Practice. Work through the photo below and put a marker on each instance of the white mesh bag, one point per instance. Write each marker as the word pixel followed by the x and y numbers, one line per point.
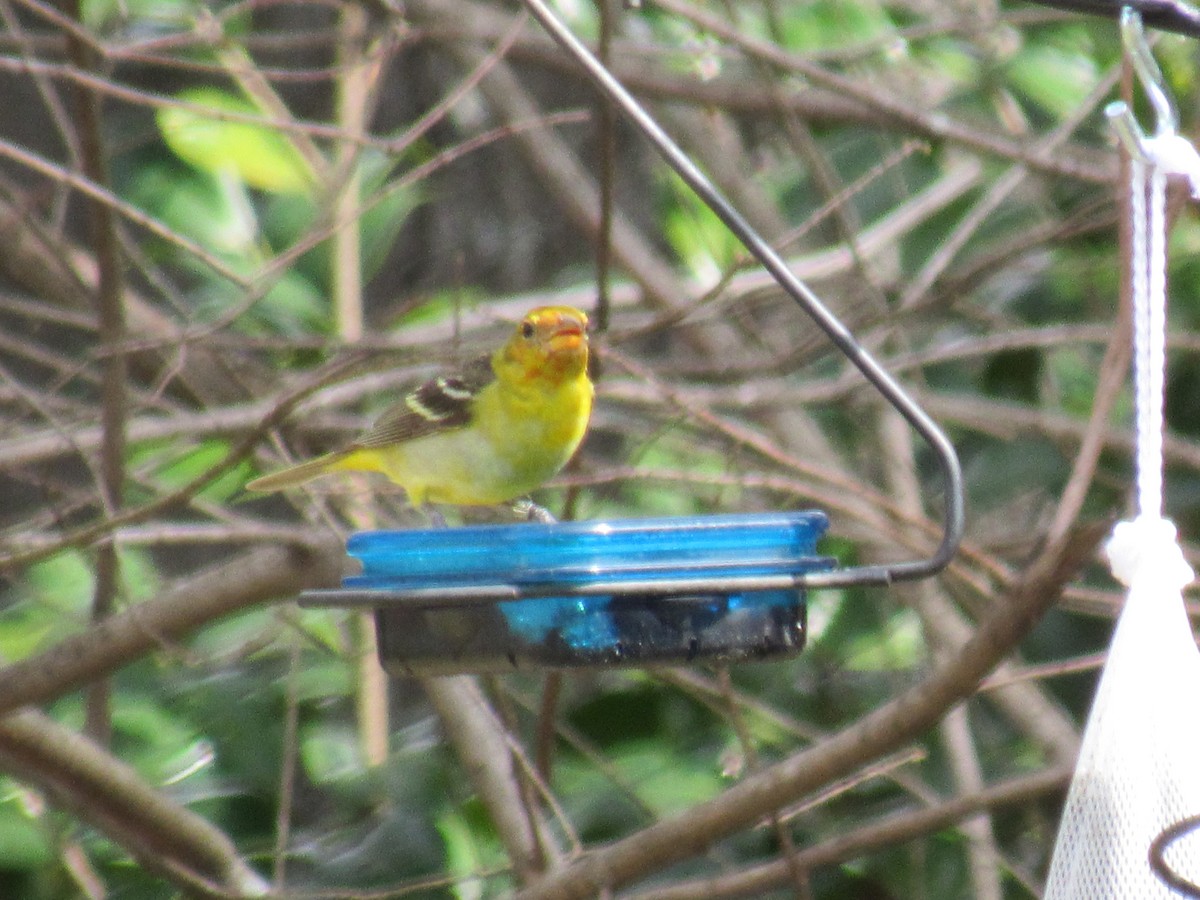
pixel 1131 825
pixel 1139 766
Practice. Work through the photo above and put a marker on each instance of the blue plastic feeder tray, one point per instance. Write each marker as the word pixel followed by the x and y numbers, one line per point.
pixel 632 592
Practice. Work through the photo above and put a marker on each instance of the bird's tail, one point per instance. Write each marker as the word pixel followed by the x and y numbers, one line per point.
pixel 294 476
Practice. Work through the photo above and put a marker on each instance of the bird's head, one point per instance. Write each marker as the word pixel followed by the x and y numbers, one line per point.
pixel 550 342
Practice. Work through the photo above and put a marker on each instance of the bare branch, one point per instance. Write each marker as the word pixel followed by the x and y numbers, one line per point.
pixel 83 779
pixel 888 832
pixel 258 576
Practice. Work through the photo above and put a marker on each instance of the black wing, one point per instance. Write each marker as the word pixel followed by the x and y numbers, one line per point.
pixel 438 405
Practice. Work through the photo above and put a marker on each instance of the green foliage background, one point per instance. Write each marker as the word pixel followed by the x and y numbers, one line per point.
pixel 984 269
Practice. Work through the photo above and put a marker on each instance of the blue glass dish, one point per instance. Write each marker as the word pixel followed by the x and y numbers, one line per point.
pixel 657 625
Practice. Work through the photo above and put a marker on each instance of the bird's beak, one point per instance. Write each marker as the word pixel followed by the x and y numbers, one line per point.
pixel 569 334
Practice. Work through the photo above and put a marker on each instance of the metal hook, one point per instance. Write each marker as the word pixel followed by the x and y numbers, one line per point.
pixel 837 332
pixel 1133 38
pixel 1166 150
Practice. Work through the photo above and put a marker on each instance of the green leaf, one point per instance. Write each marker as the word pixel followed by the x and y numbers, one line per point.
pixel 697 236
pixel 827 25
pixel 212 211
pixel 288 218
pixel 1057 80
pixel 139 577
pixel 157 742
pixel 23 842
pixel 948 62
pixel 259 155
pixel 900 646
pixel 104 15
pixel 468 851
pixel 663 779
pixel 330 752
pixel 382 222
pixel 26 628
pixel 64 581
pixel 441 305
pixel 666 781
pixel 54 599
pixel 292 306
pixel 180 470
pixel 823 609
pixel 327 678
pixel 1176 56
pixel 231 634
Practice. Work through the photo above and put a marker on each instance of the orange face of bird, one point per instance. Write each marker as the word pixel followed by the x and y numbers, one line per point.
pixel 551 339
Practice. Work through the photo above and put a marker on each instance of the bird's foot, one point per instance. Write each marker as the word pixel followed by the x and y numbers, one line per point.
pixel 531 512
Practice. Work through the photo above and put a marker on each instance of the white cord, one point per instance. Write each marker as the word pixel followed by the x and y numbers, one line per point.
pixel 1140 272
pixel 1149 330
pixel 1164 155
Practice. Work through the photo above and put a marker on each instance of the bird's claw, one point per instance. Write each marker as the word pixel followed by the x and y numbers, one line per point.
pixel 531 512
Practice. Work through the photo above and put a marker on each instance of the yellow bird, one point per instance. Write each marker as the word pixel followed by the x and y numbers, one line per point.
pixel 489 434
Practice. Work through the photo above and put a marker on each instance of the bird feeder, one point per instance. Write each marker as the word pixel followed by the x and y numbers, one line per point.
pixel 625 592
pixel 494 598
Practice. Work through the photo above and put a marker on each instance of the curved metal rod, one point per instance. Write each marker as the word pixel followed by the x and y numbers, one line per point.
pixel 1158 849
pixel 837 332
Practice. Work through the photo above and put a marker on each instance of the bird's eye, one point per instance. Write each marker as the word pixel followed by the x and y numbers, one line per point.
pixel 527 330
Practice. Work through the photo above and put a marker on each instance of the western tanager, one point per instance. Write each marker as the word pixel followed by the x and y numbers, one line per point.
pixel 489 434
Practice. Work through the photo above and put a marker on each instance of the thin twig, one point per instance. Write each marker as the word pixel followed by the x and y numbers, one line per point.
pixel 110 314
pixel 891 831
pixel 887 102
pixel 163 836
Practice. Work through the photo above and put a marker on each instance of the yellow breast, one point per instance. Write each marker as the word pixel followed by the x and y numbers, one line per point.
pixel 516 441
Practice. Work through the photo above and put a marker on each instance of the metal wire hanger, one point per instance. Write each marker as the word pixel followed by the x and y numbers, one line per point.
pixel 841 337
